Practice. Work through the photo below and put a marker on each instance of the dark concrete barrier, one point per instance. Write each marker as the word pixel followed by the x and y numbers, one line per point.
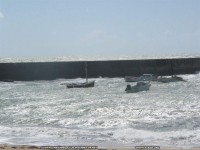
pixel 113 68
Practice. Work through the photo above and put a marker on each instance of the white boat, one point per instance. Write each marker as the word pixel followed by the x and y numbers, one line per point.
pixel 144 77
pixel 140 86
pixel 149 77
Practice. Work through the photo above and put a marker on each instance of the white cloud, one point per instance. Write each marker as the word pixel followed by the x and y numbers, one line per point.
pixel 1 15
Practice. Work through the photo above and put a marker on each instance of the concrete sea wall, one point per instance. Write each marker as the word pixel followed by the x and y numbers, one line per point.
pixel 115 68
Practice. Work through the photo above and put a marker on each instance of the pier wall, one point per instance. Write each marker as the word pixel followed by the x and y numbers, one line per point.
pixel 29 71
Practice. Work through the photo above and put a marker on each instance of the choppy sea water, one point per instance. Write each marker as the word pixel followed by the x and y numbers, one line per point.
pixel 47 113
pixel 94 58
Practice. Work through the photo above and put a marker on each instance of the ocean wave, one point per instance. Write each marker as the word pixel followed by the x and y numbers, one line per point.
pixel 92 58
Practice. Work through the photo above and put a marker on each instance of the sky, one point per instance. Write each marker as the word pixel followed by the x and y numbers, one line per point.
pixel 99 27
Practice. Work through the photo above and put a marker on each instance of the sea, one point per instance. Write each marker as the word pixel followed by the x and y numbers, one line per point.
pixel 47 113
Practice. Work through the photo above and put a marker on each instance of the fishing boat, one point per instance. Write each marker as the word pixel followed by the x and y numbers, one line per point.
pixel 85 84
pixel 140 86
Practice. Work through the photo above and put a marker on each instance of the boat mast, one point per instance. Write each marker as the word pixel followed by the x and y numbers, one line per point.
pixel 86 75
pixel 172 69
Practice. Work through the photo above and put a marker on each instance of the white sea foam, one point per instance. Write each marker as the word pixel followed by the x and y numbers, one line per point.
pixel 93 58
pixel 46 113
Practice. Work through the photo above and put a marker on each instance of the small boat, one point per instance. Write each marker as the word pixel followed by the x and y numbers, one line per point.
pixel 86 84
pixel 140 86
pixel 173 78
pixel 144 77
pixel 149 77
pixel 81 85
pixel 131 79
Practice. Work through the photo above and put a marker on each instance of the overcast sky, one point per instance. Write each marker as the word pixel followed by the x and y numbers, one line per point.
pixel 99 27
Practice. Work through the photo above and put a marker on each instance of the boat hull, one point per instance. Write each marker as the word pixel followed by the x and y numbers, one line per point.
pixel 131 79
pixel 144 77
pixel 170 79
pixel 134 89
pixel 81 85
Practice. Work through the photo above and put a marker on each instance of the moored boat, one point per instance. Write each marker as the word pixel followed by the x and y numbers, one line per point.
pixel 81 85
pixel 173 78
pixel 86 84
pixel 131 79
pixel 144 77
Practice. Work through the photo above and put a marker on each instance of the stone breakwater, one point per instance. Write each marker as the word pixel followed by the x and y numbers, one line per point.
pixel 29 71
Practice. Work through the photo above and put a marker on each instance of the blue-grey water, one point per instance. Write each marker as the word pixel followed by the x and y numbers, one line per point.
pixel 47 113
